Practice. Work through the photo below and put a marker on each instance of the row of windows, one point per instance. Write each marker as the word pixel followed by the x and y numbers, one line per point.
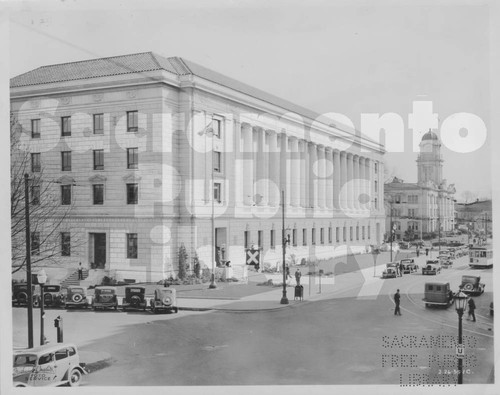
pixel 322 240
pixel 132 193
pixel 65 244
pixel 98 125
pixel 413 199
pixel 411 225
pixel 98 160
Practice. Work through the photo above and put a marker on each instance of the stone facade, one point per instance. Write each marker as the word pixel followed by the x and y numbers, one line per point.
pixel 209 158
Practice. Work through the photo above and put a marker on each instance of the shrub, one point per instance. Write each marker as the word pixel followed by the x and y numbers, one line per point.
pixel 183 257
pixel 196 265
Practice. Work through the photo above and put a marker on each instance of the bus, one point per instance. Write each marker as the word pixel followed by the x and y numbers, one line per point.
pixel 480 258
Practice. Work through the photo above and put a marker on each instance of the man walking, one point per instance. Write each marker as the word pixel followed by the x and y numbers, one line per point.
pixel 80 272
pixel 472 307
pixel 397 298
pixel 298 275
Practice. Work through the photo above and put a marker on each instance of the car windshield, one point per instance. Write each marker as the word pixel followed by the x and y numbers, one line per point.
pixel 24 360
pixel 51 288
pixel 469 279
pixel 135 290
pixel 77 290
pixel 105 291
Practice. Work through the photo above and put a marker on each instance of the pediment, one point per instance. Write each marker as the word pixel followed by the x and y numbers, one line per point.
pixel 65 180
pixel 131 177
pixel 97 179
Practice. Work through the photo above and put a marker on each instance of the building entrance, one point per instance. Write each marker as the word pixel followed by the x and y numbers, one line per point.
pixel 97 253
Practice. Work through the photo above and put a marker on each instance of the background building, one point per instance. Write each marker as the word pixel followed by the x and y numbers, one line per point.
pixel 475 216
pixel 418 208
pixel 153 153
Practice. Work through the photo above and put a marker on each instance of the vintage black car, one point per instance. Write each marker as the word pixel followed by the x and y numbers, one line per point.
pixel 76 297
pixel 20 295
pixel 438 295
pixel 53 295
pixel 165 299
pixel 408 265
pixel 135 298
pixel 471 285
pixel 431 267
pixel 104 298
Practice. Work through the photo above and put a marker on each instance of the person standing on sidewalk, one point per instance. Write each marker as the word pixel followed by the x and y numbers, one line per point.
pixel 397 298
pixel 472 308
pixel 80 272
pixel 298 275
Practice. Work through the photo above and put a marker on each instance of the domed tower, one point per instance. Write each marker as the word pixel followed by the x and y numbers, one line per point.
pixel 429 162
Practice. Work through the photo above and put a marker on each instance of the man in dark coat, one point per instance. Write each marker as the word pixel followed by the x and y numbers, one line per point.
pixel 397 298
pixel 472 308
pixel 298 275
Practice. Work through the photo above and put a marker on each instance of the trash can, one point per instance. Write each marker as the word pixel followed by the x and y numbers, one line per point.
pixel 299 292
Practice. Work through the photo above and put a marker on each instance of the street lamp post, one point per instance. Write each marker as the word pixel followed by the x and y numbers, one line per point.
pixel 284 299
pixel 460 302
pixel 212 277
pixel 42 278
pixel 28 260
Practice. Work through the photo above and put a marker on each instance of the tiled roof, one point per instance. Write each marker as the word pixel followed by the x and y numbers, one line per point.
pixel 140 63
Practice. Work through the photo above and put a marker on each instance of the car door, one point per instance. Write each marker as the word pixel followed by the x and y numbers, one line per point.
pixel 45 371
pixel 62 362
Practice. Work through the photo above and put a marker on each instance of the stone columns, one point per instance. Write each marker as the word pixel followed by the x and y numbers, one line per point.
pixel 283 142
pixel 320 169
pixel 303 173
pixel 274 170
pixel 343 179
pixel 247 134
pixel 362 176
pixel 336 180
pixel 350 175
pixel 356 183
pixel 329 178
pixel 294 172
pixel 262 168
pixel 313 187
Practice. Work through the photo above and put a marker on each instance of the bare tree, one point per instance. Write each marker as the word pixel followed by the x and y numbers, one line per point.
pixel 46 214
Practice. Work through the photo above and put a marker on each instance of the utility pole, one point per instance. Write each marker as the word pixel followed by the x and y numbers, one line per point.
pixel 28 260
pixel 284 299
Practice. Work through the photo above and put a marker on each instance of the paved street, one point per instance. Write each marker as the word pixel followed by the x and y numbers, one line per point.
pixel 346 335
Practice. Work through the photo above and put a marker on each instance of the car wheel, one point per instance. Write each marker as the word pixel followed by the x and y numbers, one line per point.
pixel 75 376
pixel 176 310
pixel 468 287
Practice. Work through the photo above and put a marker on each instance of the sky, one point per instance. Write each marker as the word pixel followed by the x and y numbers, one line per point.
pixel 329 56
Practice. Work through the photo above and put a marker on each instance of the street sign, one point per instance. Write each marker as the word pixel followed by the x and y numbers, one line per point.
pixel 460 351
pixel 253 257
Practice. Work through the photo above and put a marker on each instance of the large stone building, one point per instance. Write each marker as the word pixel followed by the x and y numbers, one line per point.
pixel 152 153
pixel 475 216
pixel 418 209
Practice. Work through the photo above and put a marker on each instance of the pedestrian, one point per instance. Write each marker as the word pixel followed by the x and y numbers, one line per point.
pixel 288 275
pixel 298 275
pixel 426 252
pixel 80 272
pixel 418 252
pixel 472 307
pixel 397 298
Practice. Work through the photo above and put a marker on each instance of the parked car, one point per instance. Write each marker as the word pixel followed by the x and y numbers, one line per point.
pixel 104 298
pixel 135 298
pixel 49 365
pixel 165 299
pixel 404 245
pixel 438 294
pixel 431 267
pixel 53 295
pixel 471 285
pixel 76 297
pixel 445 261
pixel 20 295
pixel 390 271
pixel 408 265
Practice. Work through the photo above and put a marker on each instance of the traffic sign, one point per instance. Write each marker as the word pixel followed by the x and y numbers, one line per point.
pixel 253 257
pixel 460 351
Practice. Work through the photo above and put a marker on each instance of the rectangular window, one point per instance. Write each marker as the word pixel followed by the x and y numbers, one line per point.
pixel 132 158
pixel 398 199
pixel 247 238
pixel 35 243
pixel 260 239
pixel 98 123
pixel 376 167
pixel 65 126
pixel 376 186
pixel 65 195
pixel 132 193
pixel 66 161
pixel 350 233
pixel 344 233
pixel 132 121
pixel 65 244
pixel 322 235
pixel 98 159
pixel 217 127
pixel 337 234
pixel 304 237
pixel 35 128
pixel 294 237
pixel 375 201
pixel 35 162
pixel 35 195
pixel 369 233
pixel 330 235
pixel 272 240
pixel 357 232
pixel 217 192
pixel 313 236
pixel 98 193
pixel 132 245
pixel 363 232
pixel 217 161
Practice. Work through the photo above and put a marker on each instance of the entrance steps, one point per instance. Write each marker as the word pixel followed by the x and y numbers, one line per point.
pixel 72 278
